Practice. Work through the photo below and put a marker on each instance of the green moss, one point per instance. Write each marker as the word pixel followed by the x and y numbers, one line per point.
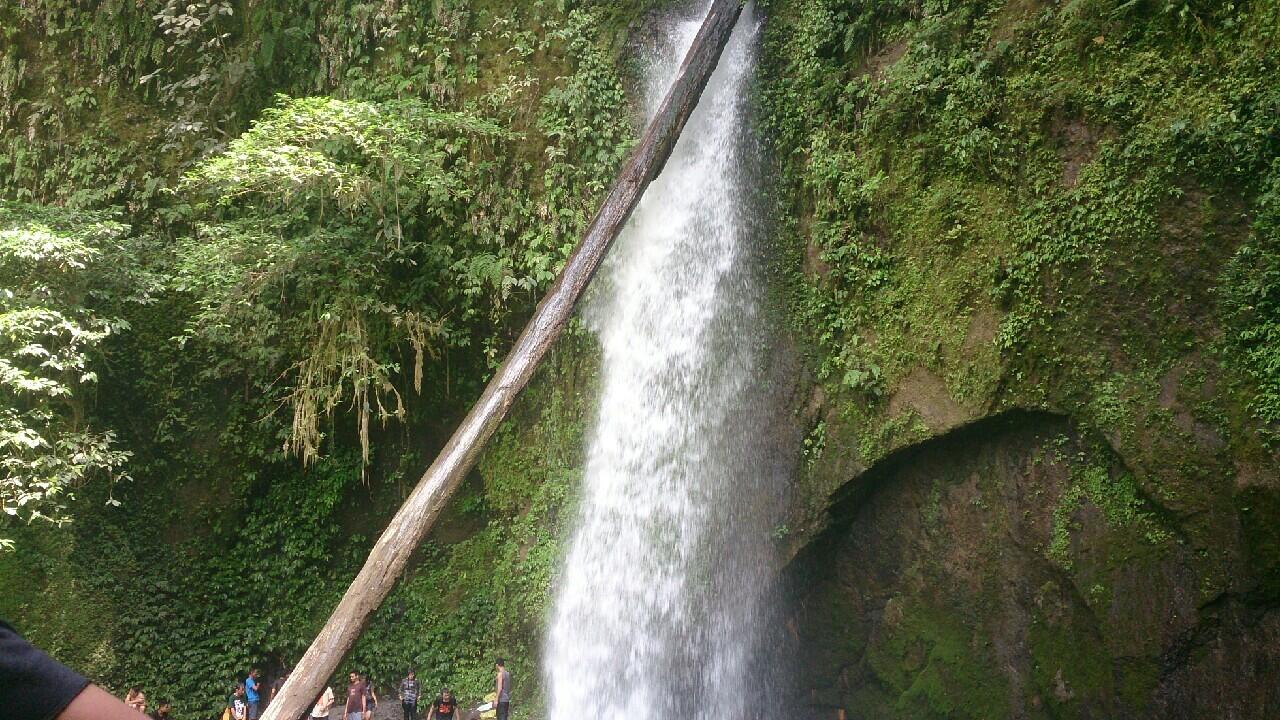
pixel 834 633
pixel 1070 666
pixel 1032 205
pixel 1258 507
pixel 1250 293
pixel 933 665
pixel 1133 526
pixel 1135 680
pixel 931 513
pixel 1049 207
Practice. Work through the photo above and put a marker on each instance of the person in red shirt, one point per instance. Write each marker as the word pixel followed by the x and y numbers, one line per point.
pixel 357 698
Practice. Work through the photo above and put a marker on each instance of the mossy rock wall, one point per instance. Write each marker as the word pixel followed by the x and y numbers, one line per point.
pixel 1018 241
pixel 1011 569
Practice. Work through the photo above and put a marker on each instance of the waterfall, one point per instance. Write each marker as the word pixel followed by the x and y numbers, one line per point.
pixel 659 602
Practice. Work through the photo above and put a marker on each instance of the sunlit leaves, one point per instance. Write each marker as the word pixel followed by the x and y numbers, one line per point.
pixel 320 207
pixel 55 269
pixel 354 153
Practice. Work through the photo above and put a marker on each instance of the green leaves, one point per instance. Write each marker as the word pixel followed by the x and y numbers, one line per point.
pixel 319 208
pixel 358 154
pixel 318 267
pixel 1250 293
pixel 56 268
pixel 334 233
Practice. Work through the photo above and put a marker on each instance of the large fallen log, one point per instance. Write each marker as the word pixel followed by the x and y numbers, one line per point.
pixel 387 559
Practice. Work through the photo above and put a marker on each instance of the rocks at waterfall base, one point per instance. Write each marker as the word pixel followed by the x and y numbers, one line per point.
pixel 1014 569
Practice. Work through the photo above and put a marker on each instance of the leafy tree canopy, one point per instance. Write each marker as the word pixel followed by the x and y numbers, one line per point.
pixel 329 236
pixel 62 274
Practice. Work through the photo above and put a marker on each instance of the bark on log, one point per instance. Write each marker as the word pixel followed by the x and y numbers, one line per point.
pixel 387 559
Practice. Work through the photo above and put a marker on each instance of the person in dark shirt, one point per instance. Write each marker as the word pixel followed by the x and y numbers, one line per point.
pixel 370 696
pixel 502 688
pixel 444 707
pixel 275 687
pixel 163 708
pixel 357 704
pixel 34 686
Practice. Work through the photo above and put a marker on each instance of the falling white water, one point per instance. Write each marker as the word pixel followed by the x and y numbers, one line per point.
pixel 658 608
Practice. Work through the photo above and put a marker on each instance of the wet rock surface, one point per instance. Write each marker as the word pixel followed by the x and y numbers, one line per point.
pixel 1014 568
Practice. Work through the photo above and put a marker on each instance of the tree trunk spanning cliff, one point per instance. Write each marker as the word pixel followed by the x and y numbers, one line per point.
pixel 388 557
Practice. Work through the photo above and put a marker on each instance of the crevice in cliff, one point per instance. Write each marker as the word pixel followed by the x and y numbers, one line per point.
pixel 848 498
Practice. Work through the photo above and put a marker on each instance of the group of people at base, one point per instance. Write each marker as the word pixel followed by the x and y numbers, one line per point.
pixel 34 686
pixel 245 700
pixel 361 700
pixel 137 700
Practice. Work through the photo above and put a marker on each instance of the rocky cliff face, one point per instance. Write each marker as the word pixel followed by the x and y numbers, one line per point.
pixel 1012 568
pixel 1040 477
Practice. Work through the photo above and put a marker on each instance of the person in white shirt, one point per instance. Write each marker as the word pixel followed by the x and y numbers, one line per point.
pixel 323 704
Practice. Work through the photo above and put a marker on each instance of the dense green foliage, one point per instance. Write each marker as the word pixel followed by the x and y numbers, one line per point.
pixel 289 242
pixel 1058 206
pixel 337 239
pixel 1251 289
pixel 61 287
pixel 1028 200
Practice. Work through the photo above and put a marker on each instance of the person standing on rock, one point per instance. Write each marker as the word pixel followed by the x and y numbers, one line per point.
pixel 502 687
pixel 409 696
pixel 357 705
